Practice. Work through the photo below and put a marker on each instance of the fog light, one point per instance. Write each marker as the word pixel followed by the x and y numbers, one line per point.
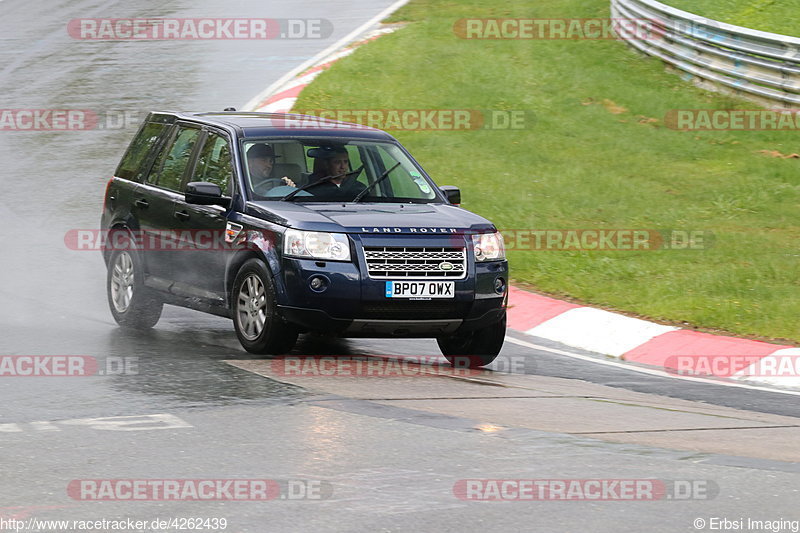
pixel 500 286
pixel 318 283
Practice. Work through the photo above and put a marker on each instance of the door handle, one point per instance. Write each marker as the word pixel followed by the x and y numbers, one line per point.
pixel 181 215
pixel 141 202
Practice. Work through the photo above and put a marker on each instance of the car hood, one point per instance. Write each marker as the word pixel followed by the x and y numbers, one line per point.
pixel 371 218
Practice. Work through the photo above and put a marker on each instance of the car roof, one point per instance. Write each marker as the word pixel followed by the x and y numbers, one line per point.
pixel 253 124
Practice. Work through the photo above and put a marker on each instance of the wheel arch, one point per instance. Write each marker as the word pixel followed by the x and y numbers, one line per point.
pixel 270 260
pixel 119 225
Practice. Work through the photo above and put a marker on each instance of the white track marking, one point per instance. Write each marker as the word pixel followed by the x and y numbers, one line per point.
pixel 599 331
pixel 650 371
pixel 760 372
pixel 109 423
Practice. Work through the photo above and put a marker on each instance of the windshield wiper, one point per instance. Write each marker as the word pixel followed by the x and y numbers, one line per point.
pixel 326 179
pixel 372 185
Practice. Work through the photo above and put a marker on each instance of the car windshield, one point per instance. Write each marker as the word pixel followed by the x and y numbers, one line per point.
pixel 328 170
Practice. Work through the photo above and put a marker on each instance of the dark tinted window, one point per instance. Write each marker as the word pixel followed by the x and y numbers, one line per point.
pixel 405 182
pixel 172 161
pixel 137 152
pixel 214 164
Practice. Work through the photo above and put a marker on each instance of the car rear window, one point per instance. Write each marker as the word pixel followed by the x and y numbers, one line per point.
pixel 168 170
pixel 130 166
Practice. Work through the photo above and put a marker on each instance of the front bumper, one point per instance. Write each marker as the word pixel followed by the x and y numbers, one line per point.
pixel 318 320
pixel 354 305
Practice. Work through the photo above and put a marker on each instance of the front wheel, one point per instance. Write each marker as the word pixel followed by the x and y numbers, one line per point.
pixel 131 303
pixel 476 348
pixel 259 328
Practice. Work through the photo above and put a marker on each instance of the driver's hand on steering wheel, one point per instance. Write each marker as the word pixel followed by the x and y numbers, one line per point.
pixel 263 187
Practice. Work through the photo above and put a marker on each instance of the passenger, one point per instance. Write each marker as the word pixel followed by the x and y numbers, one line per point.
pixel 260 160
pixel 334 161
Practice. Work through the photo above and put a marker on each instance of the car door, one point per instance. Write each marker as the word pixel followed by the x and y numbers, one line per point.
pixel 155 199
pixel 200 266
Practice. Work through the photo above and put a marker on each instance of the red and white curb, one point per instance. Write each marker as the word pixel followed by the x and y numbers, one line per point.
pixel 639 341
pixel 283 99
pixel 587 328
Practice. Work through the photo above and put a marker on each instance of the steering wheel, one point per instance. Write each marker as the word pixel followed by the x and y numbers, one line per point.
pixel 263 187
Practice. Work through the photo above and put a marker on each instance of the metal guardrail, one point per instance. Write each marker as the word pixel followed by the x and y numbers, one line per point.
pixel 763 66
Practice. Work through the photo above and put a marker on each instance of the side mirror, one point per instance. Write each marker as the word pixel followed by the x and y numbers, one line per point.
pixel 205 193
pixel 452 193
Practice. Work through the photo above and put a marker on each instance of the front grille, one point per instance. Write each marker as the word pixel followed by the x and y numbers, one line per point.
pixel 416 263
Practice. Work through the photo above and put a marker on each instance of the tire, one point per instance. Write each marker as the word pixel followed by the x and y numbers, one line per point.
pixel 474 349
pixel 258 326
pixel 132 304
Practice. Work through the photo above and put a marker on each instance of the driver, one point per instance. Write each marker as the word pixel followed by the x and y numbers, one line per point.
pixel 260 160
pixel 334 161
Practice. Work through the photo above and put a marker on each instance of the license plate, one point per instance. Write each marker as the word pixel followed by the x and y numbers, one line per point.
pixel 420 289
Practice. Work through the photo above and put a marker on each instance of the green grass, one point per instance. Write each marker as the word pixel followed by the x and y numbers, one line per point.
pixel 581 166
pixel 776 16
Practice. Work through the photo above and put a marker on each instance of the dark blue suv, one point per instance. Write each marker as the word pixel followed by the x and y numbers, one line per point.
pixel 290 224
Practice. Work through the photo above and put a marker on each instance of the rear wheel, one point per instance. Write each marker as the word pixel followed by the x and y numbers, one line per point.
pixel 259 328
pixel 132 304
pixel 476 348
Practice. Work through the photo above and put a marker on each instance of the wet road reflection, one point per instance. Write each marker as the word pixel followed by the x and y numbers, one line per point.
pixel 53 298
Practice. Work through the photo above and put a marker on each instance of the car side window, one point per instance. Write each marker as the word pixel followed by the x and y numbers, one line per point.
pixel 172 161
pixel 130 166
pixel 214 164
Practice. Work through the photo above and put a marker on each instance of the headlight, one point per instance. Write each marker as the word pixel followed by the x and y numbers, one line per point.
pixel 316 245
pixel 489 247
